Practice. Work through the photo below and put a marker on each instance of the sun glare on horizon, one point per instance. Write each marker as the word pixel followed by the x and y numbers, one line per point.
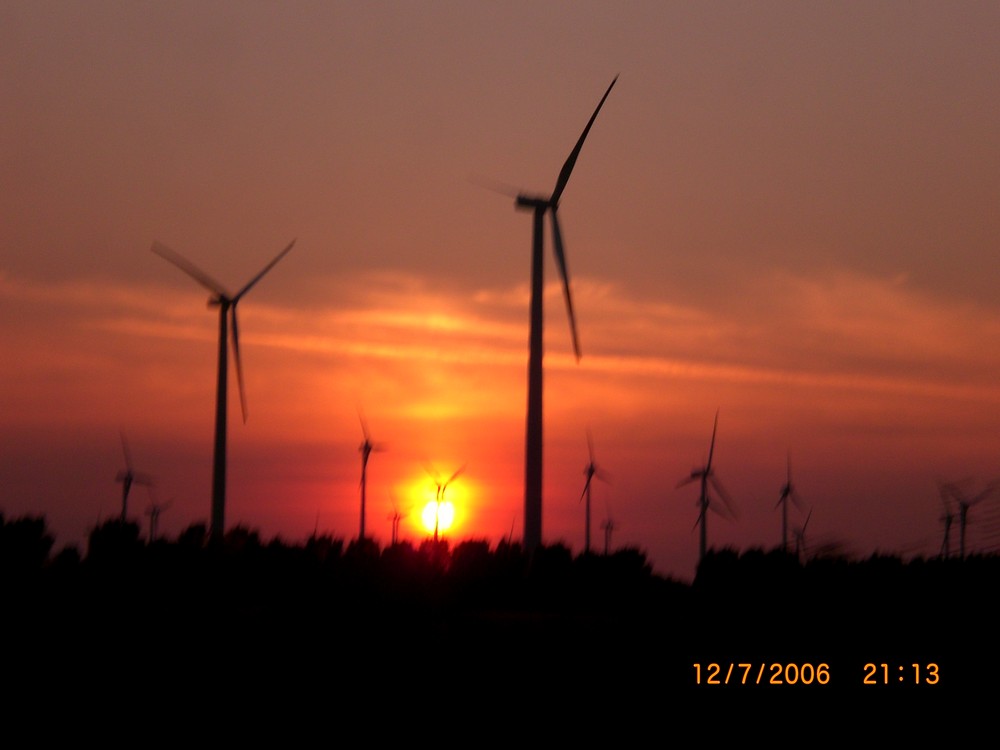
pixel 442 502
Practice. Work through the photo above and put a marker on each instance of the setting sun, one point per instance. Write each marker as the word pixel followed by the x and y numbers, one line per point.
pixel 438 516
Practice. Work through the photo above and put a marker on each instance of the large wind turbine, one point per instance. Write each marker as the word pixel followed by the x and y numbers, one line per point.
pixel 226 303
pixel 705 475
pixel 539 205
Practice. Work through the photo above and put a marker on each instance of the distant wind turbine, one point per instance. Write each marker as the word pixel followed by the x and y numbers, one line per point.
pixel 964 503
pixel 947 519
pixel 608 526
pixel 704 475
pixel 787 493
pixel 226 303
pixel 153 511
pixel 442 486
pixel 396 516
pixel 128 477
pixel 590 472
pixel 540 205
pixel 366 449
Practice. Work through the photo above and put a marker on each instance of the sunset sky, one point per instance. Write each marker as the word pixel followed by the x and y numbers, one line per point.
pixel 786 212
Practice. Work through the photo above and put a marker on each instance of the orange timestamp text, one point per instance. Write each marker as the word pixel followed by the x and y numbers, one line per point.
pixel 762 673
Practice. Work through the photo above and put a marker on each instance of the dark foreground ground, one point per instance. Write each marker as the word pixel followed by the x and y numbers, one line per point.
pixel 495 629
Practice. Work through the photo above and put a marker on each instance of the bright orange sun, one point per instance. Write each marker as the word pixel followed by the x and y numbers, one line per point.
pixel 438 515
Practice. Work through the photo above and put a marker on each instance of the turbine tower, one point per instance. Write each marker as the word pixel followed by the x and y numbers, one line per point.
pixel 226 303
pixel 705 475
pixel 128 477
pixel 540 205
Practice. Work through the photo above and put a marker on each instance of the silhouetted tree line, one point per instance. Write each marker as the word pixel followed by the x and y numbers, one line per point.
pixel 270 606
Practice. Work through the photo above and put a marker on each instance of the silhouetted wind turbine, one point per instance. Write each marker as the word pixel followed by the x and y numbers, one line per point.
pixel 153 511
pixel 964 503
pixel 128 477
pixel 366 449
pixel 439 497
pixel 590 472
pixel 787 493
pixel 608 526
pixel 226 303
pixel 396 516
pixel 705 475
pixel 533 440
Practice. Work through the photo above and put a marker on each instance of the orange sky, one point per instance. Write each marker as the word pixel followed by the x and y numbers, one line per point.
pixel 783 213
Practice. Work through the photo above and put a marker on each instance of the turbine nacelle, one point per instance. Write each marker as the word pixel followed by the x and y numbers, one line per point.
pixel 534 203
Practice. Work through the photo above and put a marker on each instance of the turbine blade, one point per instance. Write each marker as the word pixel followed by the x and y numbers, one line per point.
pixel 266 268
pixel 711 447
pixel 571 160
pixel 564 272
pixel 364 426
pixel 432 472
pixel 585 487
pixel 495 185
pixel 189 268
pixel 723 495
pixel 453 476
pixel 236 357
pixel 796 499
pixel 684 481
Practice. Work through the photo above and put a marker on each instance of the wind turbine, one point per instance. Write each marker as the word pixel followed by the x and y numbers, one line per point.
pixel 396 516
pixel 540 205
pixel 705 475
pixel 439 496
pixel 787 493
pixel 947 519
pixel 964 503
pixel 153 511
pixel 128 477
pixel 365 449
pixel 608 526
pixel 226 303
pixel 590 472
